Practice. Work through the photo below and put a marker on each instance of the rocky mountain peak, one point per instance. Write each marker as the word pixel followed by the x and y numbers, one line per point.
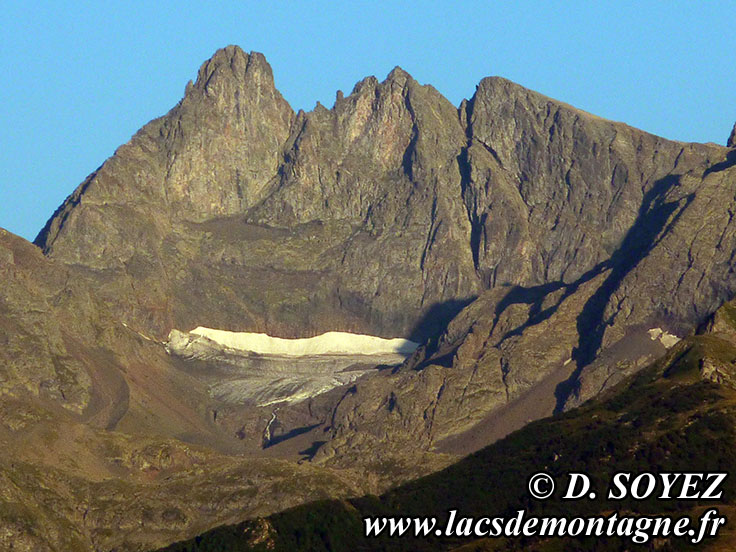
pixel 250 208
pixel 212 155
pixel 231 56
pixel 498 86
pixel 399 76
pixel 232 65
pixel 732 139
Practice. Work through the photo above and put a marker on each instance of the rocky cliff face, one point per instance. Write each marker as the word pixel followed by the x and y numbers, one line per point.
pixel 530 246
pixel 571 220
pixel 583 330
pixel 351 218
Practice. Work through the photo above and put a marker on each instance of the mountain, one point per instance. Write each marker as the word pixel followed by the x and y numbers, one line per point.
pixel 539 255
pixel 677 415
pixel 392 212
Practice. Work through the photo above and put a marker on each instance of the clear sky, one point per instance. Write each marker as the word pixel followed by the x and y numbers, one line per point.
pixel 80 78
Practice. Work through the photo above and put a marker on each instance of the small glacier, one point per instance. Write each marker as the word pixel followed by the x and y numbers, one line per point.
pixel 255 368
pixel 330 343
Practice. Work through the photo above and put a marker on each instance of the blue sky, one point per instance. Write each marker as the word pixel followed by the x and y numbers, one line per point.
pixel 79 81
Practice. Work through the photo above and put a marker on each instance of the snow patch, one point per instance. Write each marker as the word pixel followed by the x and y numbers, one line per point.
pixel 139 333
pixel 243 367
pixel 330 343
pixel 666 339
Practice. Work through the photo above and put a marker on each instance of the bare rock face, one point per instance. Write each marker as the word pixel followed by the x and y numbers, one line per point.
pixel 36 356
pixel 212 155
pixel 209 156
pixel 546 174
pixel 393 210
pixel 573 220
pixel 351 218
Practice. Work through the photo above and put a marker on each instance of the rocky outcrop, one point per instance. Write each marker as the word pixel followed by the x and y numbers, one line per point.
pixel 210 156
pixel 383 215
pixel 590 333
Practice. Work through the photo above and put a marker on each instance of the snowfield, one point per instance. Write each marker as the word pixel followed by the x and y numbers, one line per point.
pixel 665 338
pixel 244 367
pixel 330 343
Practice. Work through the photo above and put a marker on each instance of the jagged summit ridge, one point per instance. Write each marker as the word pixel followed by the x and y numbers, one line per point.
pixel 447 203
